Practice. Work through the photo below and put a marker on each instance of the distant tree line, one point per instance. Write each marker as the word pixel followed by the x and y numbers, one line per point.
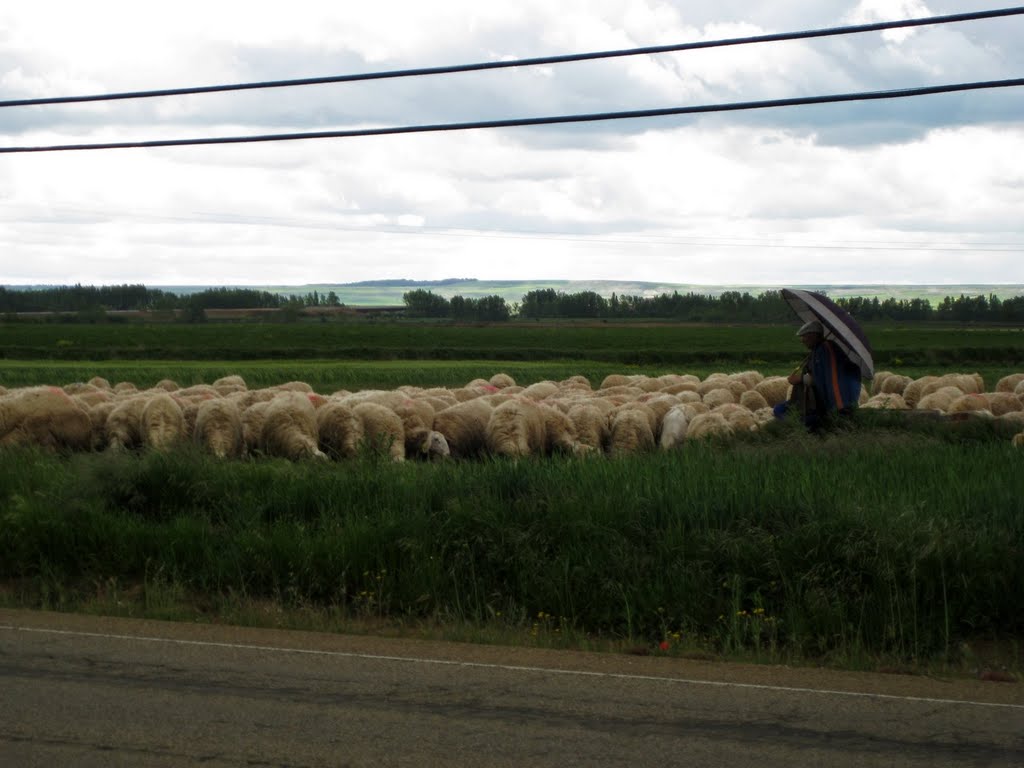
pixel 91 302
pixel 92 299
pixel 730 306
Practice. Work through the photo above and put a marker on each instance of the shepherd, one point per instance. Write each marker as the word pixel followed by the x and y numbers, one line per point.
pixel 829 380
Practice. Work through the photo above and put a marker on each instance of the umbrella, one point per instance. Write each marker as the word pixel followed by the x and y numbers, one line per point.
pixel 840 327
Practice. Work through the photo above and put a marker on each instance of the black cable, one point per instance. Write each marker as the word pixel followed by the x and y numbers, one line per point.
pixel 776 37
pixel 519 122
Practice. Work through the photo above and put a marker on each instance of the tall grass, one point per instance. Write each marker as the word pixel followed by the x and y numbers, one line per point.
pixel 869 541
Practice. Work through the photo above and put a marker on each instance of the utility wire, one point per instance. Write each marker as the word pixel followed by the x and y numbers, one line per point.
pixel 529 121
pixel 444 70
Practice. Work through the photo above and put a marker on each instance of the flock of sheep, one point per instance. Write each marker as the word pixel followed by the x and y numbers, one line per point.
pixel 495 417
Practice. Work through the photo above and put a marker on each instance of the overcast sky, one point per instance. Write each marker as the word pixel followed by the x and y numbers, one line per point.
pixel 921 190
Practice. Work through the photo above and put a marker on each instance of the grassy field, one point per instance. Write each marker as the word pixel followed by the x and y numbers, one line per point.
pixel 884 544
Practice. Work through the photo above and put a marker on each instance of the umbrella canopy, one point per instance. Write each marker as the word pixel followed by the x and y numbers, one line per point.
pixel 840 327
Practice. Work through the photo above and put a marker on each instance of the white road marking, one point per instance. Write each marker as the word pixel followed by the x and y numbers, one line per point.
pixel 511 667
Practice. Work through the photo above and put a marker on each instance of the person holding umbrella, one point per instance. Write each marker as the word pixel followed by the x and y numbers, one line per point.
pixel 827 383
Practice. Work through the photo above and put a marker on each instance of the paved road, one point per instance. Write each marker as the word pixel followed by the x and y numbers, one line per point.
pixel 87 691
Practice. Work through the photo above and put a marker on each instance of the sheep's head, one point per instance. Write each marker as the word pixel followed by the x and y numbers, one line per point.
pixel 435 446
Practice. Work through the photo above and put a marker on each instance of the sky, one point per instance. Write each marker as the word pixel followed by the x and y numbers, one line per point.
pixel 923 190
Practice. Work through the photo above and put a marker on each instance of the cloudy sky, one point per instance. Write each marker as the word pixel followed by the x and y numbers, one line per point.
pixel 920 190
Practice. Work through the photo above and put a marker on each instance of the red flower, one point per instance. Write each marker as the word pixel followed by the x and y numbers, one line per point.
pixel 664 645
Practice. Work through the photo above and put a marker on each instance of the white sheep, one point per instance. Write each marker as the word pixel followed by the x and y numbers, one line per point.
pixel 289 427
pixel 894 385
pixel 382 429
pixel 501 381
pixel 753 400
pixel 162 422
pixel 218 428
pixel 630 430
pixel 44 416
pixel 889 402
pixel 719 396
pixel 124 423
pixel 540 390
pixel 913 392
pixel 674 426
pixel 464 426
pixel 1001 403
pixel 516 428
pixel 739 418
pixel 707 425
pixel 774 390
pixel 590 423
pixel 939 400
pixel 339 430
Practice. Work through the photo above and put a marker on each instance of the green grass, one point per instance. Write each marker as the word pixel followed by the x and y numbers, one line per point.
pixel 870 543
pixel 620 343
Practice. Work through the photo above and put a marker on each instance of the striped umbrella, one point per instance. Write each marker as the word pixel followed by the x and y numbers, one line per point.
pixel 840 327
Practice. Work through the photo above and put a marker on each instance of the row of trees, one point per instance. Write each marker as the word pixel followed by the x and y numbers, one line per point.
pixel 731 306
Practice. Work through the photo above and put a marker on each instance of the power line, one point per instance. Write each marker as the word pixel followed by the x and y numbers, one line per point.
pixel 562 59
pixel 533 121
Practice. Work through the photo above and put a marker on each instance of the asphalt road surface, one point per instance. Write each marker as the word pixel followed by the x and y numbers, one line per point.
pixel 89 691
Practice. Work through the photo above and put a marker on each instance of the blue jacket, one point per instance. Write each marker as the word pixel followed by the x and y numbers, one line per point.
pixel 836 378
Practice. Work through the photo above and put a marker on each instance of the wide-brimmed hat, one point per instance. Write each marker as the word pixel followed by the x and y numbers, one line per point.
pixel 812 326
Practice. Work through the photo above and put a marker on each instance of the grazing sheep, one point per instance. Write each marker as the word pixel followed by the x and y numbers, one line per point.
pixel 630 431
pixel 44 416
pixel 774 390
pixel 708 425
pixel 577 382
pixel 939 400
pixel 968 403
pixel 1018 440
pixel 294 386
pixel 382 429
pixel 501 380
pixel 340 431
pixel 739 418
pixel 680 387
pixel 753 400
pixel 289 427
pixel 1009 383
pixel 912 393
pixel 590 423
pixel 162 423
pixel 124 423
pixel 894 385
pixel 716 397
pixel 464 426
pixel 966 383
pixel 98 415
pixel 559 432
pixel 167 385
pixel 541 390
pixel 1001 403
pixel 100 383
pixel 253 418
pixel 673 427
pixel 1019 390
pixel 615 380
pixel 516 428
pixel 125 388
pixel 218 428
pixel 889 402
pixel 879 379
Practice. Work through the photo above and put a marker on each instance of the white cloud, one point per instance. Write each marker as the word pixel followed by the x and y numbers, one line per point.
pixel 853 193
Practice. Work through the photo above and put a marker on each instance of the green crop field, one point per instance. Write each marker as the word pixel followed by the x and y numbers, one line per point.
pixel 885 542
